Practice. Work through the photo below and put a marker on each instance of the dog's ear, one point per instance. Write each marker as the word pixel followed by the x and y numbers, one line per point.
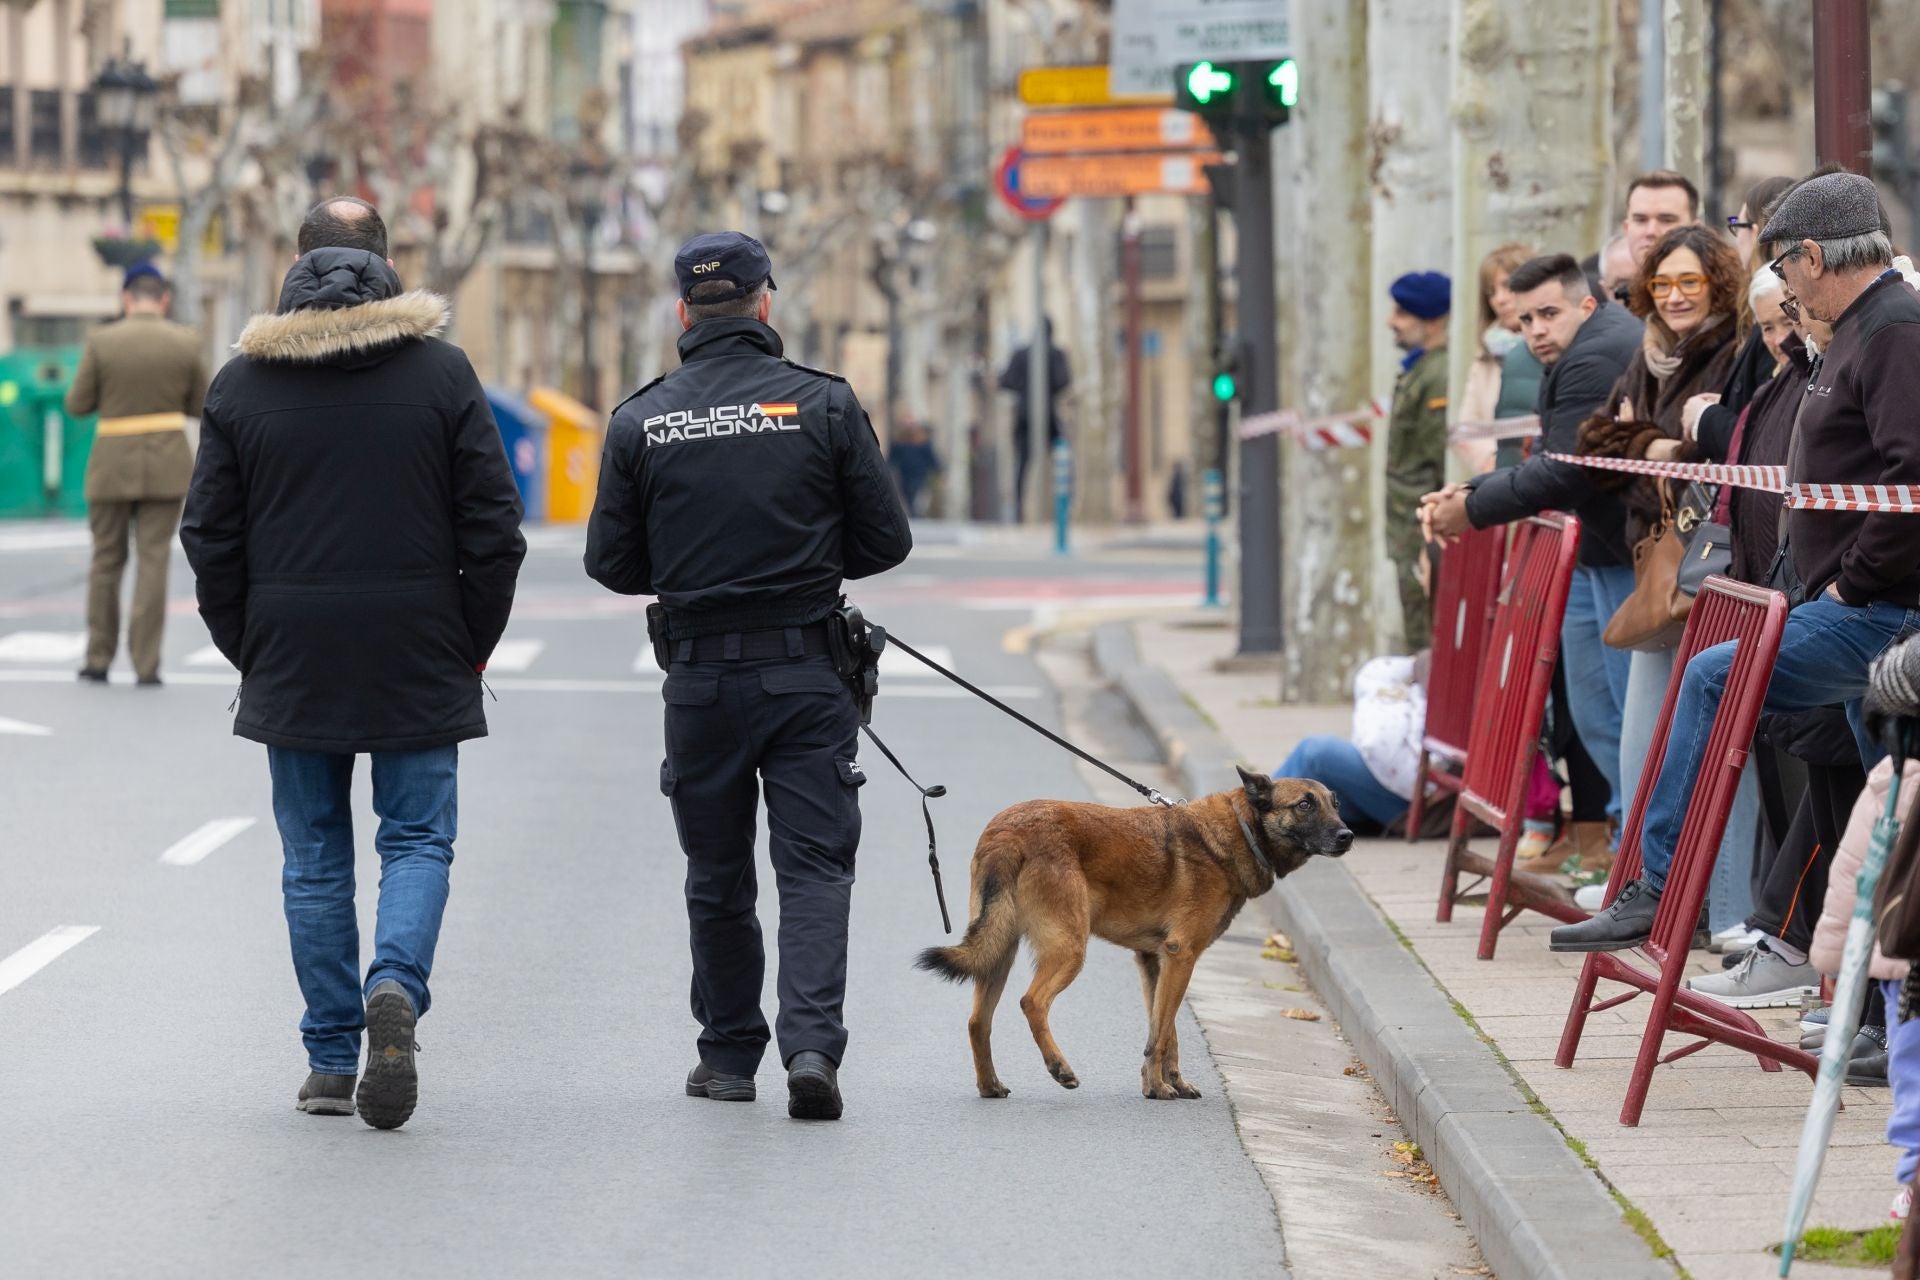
pixel 1259 789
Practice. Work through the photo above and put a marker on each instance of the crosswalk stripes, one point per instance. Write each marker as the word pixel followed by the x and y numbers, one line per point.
pixel 43 646
pixel 210 656
pixel 514 655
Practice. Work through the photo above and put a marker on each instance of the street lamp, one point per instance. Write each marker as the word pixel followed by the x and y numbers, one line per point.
pixel 124 103
pixel 587 193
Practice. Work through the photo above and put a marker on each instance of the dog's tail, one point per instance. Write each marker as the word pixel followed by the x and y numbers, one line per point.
pixel 992 933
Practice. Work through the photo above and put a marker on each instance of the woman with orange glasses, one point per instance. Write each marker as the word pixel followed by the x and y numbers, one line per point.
pixel 1692 293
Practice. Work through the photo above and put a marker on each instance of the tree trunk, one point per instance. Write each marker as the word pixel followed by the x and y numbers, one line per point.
pixel 1327 508
pixel 1686 88
pixel 1410 66
pixel 1532 137
pixel 1096 396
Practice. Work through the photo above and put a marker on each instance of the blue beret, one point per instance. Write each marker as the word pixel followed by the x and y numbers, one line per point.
pixel 1427 294
pixel 141 271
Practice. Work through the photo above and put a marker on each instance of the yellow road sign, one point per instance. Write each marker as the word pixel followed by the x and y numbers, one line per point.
pixel 1113 129
pixel 1076 87
pixel 1176 173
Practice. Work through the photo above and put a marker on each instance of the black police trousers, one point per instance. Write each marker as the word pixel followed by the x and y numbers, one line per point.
pixel 792 724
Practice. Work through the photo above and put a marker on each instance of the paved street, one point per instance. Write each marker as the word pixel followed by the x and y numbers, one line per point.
pixel 150 1065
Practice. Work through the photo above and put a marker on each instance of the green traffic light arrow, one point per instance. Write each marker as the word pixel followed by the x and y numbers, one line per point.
pixel 1205 81
pixel 1285 82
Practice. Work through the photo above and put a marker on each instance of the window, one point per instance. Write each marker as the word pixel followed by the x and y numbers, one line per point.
pixel 193 8
pixel 43 125
pixel 97 150
pixel 8 157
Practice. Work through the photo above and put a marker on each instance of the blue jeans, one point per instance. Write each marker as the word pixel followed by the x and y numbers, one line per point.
pixel 1337 765
pixel 1824 655
pixel 1596 673
pixel 1903 1073
pixel 1646 694
pixel 414 796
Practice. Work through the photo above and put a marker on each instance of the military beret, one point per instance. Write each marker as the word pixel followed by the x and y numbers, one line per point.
pixel 1426 294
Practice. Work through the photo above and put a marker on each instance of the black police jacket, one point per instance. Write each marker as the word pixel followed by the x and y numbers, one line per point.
pixel 741 488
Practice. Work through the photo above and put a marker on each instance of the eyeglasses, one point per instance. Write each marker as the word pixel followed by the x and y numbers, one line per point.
pixel 1776 265
pixel 1690 285
pixel 1790 308
pixel 1737 223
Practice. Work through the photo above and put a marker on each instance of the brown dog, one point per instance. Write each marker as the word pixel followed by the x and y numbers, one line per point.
pixel 1163 883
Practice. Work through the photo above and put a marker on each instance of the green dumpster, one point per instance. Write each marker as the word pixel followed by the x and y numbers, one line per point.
pixel 43 450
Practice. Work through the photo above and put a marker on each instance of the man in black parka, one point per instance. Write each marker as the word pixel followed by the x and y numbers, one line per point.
pixel 354 530
pixel 740 489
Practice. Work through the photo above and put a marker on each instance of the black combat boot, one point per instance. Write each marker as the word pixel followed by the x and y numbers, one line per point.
pixel 324 1095
pixel 704 1082
pixel 813 1087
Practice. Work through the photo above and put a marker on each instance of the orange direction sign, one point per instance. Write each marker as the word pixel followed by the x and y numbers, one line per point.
pixel 1076 87
pixel 1180 173
pixel 1114 129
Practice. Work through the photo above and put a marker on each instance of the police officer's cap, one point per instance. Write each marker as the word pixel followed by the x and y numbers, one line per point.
pixel 727 257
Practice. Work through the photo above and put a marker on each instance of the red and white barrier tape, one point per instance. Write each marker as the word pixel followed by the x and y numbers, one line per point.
pixel 1900 499
pixel 1334 431
pixel 1495 429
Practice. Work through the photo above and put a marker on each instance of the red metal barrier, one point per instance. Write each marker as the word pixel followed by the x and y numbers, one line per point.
pixel 1522 645
pixel 1754 616
pixel 1462 611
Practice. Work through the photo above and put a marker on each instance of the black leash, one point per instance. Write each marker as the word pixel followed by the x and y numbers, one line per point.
pixel 1152 795
pixel 926 794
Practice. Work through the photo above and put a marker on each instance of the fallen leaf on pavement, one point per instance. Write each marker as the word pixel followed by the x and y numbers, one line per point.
pixel 1300 1015
pixel 1280 940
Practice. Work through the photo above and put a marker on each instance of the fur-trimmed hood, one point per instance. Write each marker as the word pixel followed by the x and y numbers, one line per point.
pixel 338 303
pixel 317 336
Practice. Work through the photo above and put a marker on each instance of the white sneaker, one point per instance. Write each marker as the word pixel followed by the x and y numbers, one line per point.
pixel 1762 980
pixel 1902 1204
pixel 1735 937
pixel 1590 897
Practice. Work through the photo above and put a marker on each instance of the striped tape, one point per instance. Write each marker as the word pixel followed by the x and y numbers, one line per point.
pixel 1333 431
pixel 1495 429
pixel 1892 499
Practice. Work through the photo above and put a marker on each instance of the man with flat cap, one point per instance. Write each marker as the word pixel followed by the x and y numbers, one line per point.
pixel 741 489
pixel 1416 433
pixel 1853 577
pixel 145 376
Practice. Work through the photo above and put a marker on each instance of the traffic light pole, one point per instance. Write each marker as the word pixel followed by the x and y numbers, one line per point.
pixel 1260 551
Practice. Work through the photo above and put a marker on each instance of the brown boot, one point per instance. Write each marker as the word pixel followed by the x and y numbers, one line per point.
pixel 1591 857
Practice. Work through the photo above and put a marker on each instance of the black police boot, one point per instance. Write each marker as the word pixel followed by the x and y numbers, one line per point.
pixel 813 1087
pixel 324 1095
pixel 391 1086
pixel 704 1082
pixel 1627 923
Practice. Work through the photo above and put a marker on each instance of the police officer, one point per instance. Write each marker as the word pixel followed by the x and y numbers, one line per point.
pixel 741 489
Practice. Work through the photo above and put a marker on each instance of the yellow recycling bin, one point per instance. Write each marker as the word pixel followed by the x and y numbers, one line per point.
pixel 574 437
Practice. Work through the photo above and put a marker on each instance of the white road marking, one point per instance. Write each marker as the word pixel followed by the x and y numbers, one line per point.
pixel 209 657
pixel 41 952
pixel 533 684
pixel 204 841
pixel 898 662
pixel 514 655
pixel 60 537
pixel 22 728
pixel 43 646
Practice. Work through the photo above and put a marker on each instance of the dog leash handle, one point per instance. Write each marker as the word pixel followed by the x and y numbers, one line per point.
pixel 926 794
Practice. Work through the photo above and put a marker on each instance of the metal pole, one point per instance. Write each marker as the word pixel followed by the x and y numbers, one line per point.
pixel 1716 114
pixel 1062 494
pixel 1260 551
pixel 1039 363
pixel 1653 84
pixel 1842 85
pixel 1214 496
pixel 589 364
pixel 126 179
pixel 1130 266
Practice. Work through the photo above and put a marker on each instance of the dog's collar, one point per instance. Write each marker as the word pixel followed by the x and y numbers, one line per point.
pixel 1253 844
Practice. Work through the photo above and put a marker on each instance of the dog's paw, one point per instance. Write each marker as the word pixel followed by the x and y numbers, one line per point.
pixel 1182 1088
pixel 1158 1091
pixel 1063 1073
pixel 994 1090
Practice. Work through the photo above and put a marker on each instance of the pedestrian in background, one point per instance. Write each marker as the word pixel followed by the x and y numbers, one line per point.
pixel 1585 344
pixel 1416 434
pixel 746 537
pixel 1504 380
pixel 1014 378
pixel 1658 202
pixel 355 530
pixel 145 376
pixel 911 456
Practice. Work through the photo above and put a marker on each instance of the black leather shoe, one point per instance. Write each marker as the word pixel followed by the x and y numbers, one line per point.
pixel 704 1082
pixel 813 1087
pixel 324 1095
pixel 150 682
pixel 1867 1060
pixel 92 675
pixel 1628 922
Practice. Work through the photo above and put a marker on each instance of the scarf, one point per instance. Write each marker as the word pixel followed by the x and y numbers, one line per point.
pixel 1662 362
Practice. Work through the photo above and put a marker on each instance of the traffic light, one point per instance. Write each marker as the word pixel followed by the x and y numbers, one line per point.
pixel 1226 370
pixel 1224 386
pixel 1893 159
pixel 1224 91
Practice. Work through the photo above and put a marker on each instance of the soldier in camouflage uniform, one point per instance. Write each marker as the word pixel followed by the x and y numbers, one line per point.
pixel 1416 434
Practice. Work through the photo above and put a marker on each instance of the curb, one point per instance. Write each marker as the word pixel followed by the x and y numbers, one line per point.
pixel 1534 1207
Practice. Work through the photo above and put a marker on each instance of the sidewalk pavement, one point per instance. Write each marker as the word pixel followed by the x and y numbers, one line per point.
pixel 1535 1158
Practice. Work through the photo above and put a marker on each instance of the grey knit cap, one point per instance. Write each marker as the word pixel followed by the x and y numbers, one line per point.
pixel 1830 207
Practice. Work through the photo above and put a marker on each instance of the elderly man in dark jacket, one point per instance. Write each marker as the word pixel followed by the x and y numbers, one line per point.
pixel 1586 343
pixel 1859 573
pixel 355 531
